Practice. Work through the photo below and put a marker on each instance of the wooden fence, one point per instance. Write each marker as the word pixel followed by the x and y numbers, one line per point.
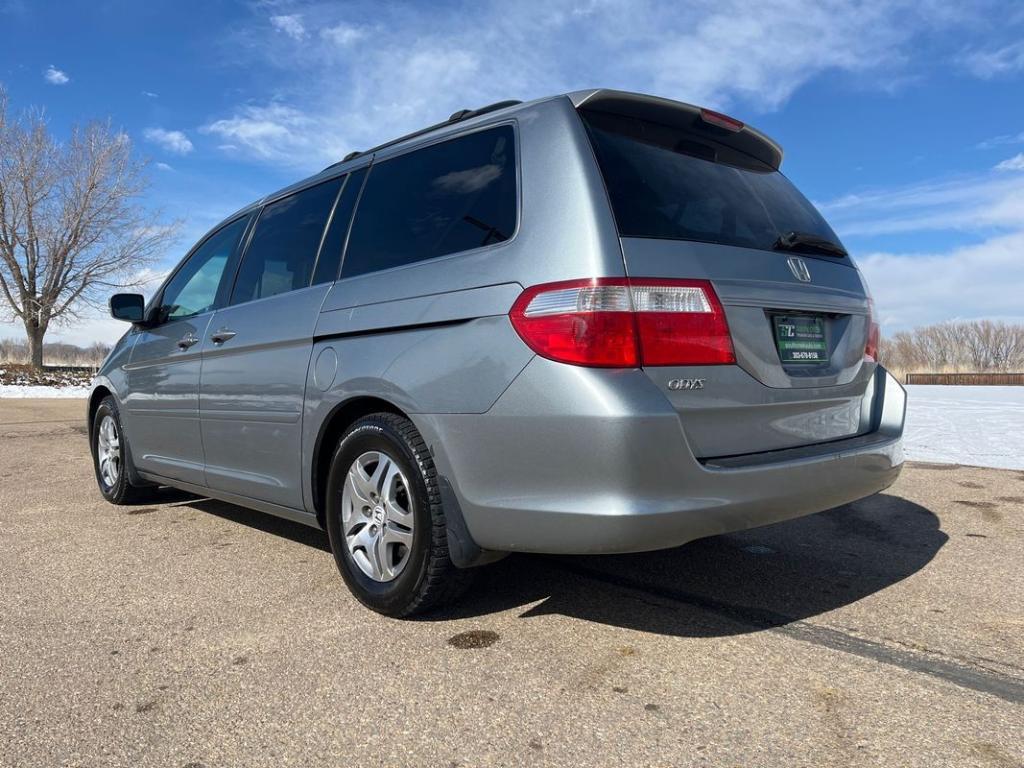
pixel 998 379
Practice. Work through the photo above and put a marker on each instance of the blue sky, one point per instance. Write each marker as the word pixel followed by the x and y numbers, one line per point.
pixel 903 121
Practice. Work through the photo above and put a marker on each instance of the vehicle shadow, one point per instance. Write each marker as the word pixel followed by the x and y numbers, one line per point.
pixel 725 585
pixel 277 526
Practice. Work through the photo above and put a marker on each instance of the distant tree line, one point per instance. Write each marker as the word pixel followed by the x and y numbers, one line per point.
pixel 55 353
pixel 979 346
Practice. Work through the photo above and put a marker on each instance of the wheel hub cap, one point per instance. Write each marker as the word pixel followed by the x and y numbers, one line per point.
pixel 377 516
pixel 108 451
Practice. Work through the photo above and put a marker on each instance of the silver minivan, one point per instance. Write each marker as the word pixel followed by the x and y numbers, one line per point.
pixel 599 322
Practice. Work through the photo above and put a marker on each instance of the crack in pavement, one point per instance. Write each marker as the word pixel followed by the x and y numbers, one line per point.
pixel 964 675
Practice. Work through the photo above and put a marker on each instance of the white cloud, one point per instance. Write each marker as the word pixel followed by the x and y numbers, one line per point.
pixel 763 52
pixel 276 132
pixel 980 203
pixel 1015 163
pixel 987 63
pixel 148 279
pixel 343 34
pixel 150 95
pixel 163 167
pixel 363 77
pixel 291 24
pixel 55 76
pixel 971 282
pixel 980 280
pixel 175 142
pixel 1003 140
pixel 422 62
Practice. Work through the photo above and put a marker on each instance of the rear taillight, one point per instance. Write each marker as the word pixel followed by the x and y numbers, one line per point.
pixel 874 334
pixel 625 322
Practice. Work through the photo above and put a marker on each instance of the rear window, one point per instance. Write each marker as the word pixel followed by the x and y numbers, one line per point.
pixel 448 197
pixel 667 183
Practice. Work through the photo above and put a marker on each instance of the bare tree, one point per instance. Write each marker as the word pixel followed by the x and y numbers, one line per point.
pixel 57 353
pixel 1008 347
pixel 978 346
pixel 72 224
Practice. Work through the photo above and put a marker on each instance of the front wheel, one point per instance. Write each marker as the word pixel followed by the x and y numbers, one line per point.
pixel 111 457
pixel 385 519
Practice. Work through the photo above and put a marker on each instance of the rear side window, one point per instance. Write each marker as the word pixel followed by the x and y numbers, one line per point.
pixel 667 183
pixel 442 199
pixel 284 245
pixel 334 241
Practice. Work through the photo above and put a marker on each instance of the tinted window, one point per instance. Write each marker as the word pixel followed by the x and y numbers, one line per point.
pixel 193 289
pixel 337 230
pixel 284 244
pixel 449 197
pixel 666 183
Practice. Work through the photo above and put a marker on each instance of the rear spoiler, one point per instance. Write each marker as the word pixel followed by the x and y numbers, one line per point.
pixel 679 115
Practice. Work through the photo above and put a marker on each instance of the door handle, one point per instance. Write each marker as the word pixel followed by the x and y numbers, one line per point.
pixel 187 340
pixel 219 337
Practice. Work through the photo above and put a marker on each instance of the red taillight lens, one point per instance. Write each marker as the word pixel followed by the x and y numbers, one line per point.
pixel 625 323
pixel 874 334
pixel 722 121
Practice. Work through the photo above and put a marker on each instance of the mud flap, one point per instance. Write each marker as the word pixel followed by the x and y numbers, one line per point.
pixel 463 550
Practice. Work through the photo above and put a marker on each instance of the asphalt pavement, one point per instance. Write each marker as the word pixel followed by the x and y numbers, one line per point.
pixel 889 632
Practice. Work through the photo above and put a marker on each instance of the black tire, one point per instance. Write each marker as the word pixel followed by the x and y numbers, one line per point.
pixel 429 579
pixel 121 491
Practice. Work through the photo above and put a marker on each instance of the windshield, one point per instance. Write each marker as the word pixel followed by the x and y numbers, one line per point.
pixel 668 183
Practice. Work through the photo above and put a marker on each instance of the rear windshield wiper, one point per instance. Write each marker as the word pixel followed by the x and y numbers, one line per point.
pixel 805 241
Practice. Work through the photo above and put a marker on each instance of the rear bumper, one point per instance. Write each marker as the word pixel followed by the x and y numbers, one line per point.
pixel 575 461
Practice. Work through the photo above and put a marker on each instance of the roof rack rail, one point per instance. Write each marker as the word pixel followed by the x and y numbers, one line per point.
pixel 462 114
pixel 465 114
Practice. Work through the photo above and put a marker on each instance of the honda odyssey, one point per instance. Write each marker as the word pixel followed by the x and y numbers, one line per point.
pixel 599 322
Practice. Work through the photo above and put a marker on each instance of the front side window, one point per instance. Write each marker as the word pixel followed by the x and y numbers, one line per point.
pixel 193 289
pixel 445 198
pixel 282 251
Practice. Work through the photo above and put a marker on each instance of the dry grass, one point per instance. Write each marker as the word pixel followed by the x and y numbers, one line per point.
pixel 901 372
pixel 15 352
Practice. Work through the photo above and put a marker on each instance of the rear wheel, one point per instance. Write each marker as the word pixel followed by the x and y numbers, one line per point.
pixel 111 457
pixel 385 520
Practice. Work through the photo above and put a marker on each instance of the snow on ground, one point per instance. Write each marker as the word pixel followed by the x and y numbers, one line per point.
pixel 31 390
pixel 17 380
pixel 978 426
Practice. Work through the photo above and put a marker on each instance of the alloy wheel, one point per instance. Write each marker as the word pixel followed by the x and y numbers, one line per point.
pixel 108 451
pixel 377 518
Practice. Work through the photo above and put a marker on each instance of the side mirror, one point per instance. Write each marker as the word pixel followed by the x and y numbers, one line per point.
pixel 130 307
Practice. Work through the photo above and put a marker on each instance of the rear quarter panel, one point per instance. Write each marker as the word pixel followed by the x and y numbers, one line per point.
pixel 457 366
pixel 434 337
